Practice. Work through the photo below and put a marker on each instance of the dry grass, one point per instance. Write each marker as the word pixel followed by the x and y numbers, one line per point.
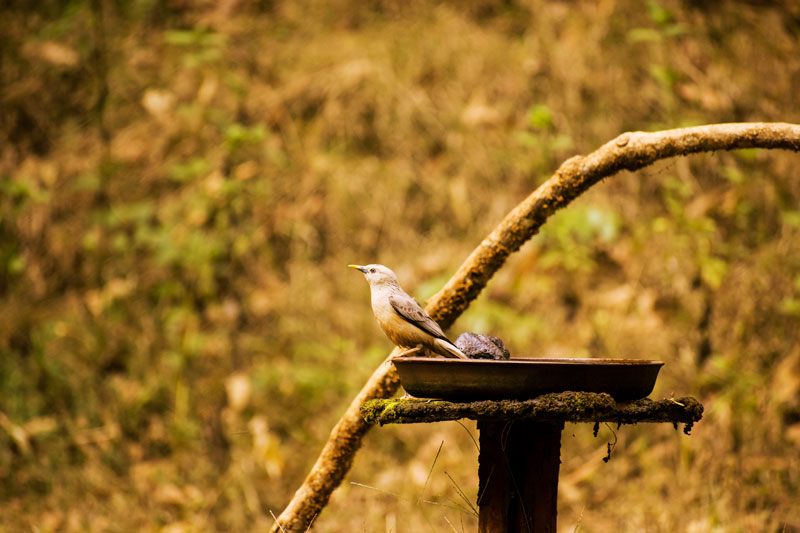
pixel 184 183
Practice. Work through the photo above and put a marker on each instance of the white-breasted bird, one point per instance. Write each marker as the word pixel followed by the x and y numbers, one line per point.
pixel 401 318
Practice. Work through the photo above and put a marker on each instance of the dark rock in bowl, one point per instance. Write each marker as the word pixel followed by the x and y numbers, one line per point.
pixel 477 346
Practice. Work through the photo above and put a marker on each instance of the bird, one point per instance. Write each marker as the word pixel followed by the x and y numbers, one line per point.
pixel 401 318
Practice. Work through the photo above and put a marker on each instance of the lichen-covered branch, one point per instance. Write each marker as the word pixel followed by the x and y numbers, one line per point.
pixel 629 151
pixel 555 407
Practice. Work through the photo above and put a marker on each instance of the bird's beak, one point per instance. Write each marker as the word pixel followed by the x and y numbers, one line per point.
pixel 358 267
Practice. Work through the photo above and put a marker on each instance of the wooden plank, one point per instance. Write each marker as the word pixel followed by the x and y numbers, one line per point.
pixel 554 407
pixel 518 476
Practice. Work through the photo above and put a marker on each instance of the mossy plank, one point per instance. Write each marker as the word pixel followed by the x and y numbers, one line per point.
pixel 555 407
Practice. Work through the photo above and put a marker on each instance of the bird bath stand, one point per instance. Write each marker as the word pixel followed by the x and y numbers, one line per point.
pixel 520 439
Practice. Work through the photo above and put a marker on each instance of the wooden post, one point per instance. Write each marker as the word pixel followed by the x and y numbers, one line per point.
pixel 520 443
pixel 518 476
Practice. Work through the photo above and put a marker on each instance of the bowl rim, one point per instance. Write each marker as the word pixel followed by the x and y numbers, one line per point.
pixel 585 361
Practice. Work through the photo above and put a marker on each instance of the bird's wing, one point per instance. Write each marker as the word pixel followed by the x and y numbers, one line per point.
pixel 410 311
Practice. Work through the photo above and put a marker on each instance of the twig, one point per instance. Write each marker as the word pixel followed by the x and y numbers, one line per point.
pixel 477 446
pixel 390 493
pixel 453 506
pixel 427 479
pixel 611 445
pixel 461 494
pixel 276 521
pixel 580 519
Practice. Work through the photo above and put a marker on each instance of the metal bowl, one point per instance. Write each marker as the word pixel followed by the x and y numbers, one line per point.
pixel 520 379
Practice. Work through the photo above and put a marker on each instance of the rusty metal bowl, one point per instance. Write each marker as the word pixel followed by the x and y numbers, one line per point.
pixel 519 379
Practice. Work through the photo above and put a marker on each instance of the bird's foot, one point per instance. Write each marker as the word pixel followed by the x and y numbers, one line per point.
pixel 410 351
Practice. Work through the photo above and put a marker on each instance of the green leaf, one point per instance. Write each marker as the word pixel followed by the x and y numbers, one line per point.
pixel 791 306
pixel 713 271
pixel 658 13
pixel 15 264
pixel 732 174
pixel 192 169
pixel 663 74
pixel 648 35
pixel 791 218
pixel 540 117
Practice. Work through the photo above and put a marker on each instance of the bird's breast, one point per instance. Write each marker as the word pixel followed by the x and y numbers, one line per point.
pixel 400 331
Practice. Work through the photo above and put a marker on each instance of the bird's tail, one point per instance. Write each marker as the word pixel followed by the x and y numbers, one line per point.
pixel 448 349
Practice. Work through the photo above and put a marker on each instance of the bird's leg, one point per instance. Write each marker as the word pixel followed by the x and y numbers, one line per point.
pixel 408 352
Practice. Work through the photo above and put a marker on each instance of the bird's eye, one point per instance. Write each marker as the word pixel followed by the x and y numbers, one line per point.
pixel 371 270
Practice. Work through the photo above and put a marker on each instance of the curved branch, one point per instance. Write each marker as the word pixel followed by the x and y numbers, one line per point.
pixel 629 151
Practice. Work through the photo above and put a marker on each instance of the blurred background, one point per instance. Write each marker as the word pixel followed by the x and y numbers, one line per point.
pixel 184 182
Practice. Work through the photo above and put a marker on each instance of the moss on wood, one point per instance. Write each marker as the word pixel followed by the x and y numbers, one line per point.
pixel 554 407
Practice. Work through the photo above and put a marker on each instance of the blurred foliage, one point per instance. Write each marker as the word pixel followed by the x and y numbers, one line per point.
pixel 182 184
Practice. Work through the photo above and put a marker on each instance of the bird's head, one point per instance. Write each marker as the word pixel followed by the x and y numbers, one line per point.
pixel 377 275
